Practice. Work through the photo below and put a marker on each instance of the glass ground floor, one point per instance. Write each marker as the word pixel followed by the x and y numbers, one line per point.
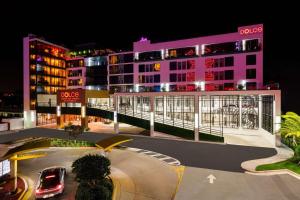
pixel 202 112
pixel 44 119
pixel 207 111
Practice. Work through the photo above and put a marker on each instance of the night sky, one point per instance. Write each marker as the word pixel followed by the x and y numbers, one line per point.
pixel 116 26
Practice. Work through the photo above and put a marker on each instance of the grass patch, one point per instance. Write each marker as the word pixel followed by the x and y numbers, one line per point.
pixel 287 164
pixel 70 143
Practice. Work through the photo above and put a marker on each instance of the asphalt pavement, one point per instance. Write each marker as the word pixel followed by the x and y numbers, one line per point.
pixel 139 176
pixel 216 156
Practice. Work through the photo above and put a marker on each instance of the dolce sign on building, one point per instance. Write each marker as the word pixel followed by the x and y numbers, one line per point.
pixel 249 30
pixel 70 96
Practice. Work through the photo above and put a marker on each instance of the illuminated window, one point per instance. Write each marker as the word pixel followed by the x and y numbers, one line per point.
pixel 209 76
pixel 32 88
pixel 191 64
pixel 113 59
pixel 32 67
pixel 209 62
pixel 190 87
pixel 228 86
pixel 32 102
pixel 172 53
pixel 190 76
pixel 32 56
pixel 46 50
pixel 54 52
pixel 157 67
pixel 210 87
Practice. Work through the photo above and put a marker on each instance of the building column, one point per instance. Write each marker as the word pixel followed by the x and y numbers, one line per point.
pixel 84 118
pixel 240 111
pixel 116 123
pixel 260 112
pixel 196 112
pixel 152 116
pixel 14 170
pixel 165 108
pixel 200 111
pixel 277 118
pixel 59 119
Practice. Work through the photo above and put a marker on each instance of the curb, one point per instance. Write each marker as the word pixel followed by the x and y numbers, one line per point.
pixel 179 171
pixel 274 172
pixel 173 139
pixel 252 170
pixel 25 189
pixel 250 165
pixel 116 189
pixel 73 147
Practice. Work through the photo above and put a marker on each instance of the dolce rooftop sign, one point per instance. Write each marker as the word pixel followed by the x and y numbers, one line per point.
pixel 251 30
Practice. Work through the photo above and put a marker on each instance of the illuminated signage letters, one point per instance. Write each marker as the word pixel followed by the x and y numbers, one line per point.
pixel 70 96
pixel 248 31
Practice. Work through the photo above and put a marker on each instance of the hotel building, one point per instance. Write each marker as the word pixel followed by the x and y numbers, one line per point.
pixel 48 68
pixel 121 72
pixel 210 63
pixel 194 88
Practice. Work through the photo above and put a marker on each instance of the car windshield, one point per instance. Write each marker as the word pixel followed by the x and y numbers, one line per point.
pixel 50 178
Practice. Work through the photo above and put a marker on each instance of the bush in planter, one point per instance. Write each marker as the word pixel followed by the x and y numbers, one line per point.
pixel 296 158
pixel 290 128
pixel 98 192
pixel 92 174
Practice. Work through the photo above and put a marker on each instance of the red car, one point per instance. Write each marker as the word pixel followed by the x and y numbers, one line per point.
pixel 50 182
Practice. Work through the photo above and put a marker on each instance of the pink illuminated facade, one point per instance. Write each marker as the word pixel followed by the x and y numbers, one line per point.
pixel 229 61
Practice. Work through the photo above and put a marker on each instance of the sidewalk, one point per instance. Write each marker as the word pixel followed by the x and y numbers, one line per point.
pixel 283 153
pixel 7 186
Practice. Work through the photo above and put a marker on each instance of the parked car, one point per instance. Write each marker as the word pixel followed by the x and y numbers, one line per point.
pixel 50 182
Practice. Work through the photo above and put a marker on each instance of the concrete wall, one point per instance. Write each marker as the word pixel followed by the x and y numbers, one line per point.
pixel 3 126
pixel 30 119
pixel 15 123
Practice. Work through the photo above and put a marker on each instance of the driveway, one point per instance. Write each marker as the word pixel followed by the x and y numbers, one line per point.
pixel 224 157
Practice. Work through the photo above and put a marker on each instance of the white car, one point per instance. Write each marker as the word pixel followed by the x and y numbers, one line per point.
pixel 50 182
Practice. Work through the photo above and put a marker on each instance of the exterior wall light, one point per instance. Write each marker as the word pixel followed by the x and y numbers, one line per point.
pixel 58 111
pixel 137 88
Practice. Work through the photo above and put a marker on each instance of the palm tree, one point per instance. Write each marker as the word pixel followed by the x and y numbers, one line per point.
pixel 92 173
pixel 290 127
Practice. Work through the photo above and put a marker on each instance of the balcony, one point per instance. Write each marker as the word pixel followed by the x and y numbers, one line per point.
pixel 181 57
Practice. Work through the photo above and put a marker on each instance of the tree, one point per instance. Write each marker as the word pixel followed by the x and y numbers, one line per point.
pixel 99 192
pixel 91 168
pixel 92 174
pixel 290 127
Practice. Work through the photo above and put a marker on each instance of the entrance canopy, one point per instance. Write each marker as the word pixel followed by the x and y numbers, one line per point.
pixel 23 147
pixel 108 143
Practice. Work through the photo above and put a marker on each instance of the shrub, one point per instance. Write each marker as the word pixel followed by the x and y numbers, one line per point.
pixel 99 192
pixel 92 174
pixel 91 168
